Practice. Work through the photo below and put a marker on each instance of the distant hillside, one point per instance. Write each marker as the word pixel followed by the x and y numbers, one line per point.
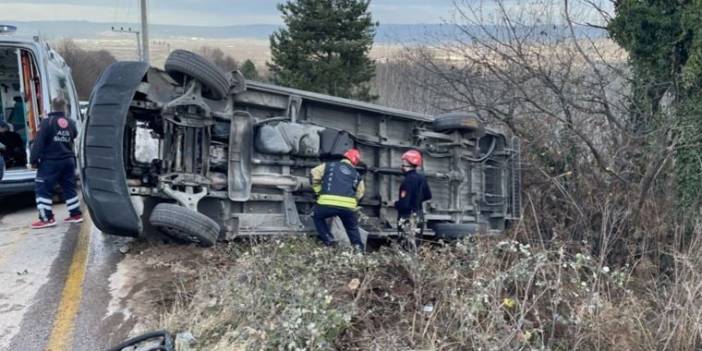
pixel 386 33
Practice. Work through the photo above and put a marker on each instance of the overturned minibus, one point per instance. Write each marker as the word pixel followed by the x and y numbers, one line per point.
pixel 204 155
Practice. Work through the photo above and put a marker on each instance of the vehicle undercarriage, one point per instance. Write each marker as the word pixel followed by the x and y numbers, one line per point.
pixel 205 155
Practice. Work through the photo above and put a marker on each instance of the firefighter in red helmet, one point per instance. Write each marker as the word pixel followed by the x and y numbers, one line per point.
pixel 414 191
pixel 339 187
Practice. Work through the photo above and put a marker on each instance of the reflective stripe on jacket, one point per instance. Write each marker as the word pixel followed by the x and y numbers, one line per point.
pixel 337 184
pixel 337 201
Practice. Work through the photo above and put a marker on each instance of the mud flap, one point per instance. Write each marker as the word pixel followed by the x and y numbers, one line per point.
pixel 104 180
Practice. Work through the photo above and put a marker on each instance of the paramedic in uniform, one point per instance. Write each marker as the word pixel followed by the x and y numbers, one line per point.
pixel 338 186
pixel 52 153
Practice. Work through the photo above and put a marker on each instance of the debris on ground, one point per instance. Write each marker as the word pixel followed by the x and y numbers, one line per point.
pixel 184 341
pixel 354 284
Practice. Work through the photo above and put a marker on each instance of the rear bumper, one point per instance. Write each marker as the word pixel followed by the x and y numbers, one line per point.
pixel 14 188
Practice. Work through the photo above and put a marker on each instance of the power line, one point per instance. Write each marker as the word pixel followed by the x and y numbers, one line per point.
pixel 142 36
pixel 114 12
pixel 129 30
pixel 129 11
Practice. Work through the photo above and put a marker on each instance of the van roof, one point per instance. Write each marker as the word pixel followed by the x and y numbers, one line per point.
pixel 19 39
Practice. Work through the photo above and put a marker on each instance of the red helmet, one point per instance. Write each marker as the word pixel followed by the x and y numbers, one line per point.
pixel 353 155
pixel 413 157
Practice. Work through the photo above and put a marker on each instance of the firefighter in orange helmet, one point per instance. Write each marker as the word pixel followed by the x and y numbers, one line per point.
pixel 339 187
pixel 414 191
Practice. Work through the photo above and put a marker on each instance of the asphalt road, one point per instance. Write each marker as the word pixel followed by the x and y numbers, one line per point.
pixel 55 283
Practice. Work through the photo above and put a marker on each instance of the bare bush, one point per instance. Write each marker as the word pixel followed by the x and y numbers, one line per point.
pixel 400 83
pixel 678 324
pixel 567 94
pixel 86 65
pixel 219 58
pixel 489 295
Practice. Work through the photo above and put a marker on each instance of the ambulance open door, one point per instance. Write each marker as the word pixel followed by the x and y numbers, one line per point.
pixel 30 87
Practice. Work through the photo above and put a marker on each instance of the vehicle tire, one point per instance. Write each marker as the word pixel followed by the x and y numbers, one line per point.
pixel 185 224
pixel 457 121
pixel 214 82
pixel 453 231
pixel 103 150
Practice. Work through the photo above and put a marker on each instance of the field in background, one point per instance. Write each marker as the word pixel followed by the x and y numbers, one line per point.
pixel 256 50
pixel 402 78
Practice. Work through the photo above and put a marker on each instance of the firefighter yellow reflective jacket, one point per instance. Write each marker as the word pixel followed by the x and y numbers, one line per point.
pixel 337 184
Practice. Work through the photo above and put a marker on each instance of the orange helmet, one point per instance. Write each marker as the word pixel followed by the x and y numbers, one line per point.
pixel 353 155
pixel 413 157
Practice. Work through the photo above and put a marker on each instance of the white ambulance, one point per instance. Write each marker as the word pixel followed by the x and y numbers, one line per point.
pixel 31 75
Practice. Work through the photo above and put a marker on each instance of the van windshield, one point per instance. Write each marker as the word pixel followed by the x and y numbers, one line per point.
pixel 60 86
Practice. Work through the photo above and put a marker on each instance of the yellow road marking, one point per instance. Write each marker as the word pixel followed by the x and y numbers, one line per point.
pixel 62 332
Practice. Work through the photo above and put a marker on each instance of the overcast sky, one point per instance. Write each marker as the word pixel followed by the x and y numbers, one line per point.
pixel 211 12
pixel 204 12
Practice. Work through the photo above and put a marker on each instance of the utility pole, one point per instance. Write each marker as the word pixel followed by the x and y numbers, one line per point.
pixel 144 32
pixel 138 38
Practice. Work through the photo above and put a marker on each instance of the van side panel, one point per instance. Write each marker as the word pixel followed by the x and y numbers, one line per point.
pixel 480 198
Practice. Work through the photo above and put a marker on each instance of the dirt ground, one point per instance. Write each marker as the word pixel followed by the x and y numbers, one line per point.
pixel 152 274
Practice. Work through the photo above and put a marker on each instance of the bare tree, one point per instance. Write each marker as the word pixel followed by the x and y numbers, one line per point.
pixel 564 88
pixel 219 58
pixel 86 66
pixel 400 83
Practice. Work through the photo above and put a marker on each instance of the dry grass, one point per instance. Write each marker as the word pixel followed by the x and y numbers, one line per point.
pixel 256 50
pixel 295 295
